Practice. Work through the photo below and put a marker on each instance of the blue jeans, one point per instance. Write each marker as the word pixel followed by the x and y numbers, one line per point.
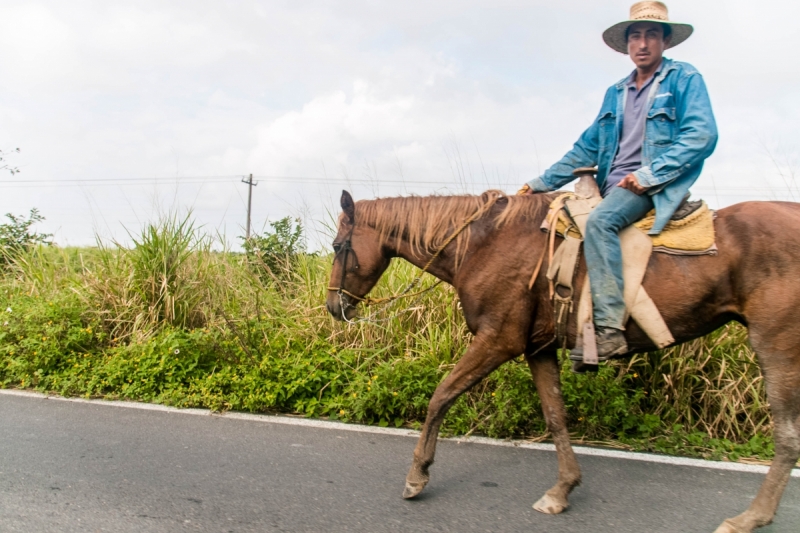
pixel 618 210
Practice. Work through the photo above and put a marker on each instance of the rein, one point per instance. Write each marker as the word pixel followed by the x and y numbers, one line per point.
pixel 347 247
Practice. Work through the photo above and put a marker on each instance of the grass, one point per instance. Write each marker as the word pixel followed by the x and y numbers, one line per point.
pixel 172 321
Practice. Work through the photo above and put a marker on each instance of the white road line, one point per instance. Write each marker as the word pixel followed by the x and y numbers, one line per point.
pixel 327 424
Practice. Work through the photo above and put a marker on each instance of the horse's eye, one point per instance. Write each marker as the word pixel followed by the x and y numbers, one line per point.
pixel 336 247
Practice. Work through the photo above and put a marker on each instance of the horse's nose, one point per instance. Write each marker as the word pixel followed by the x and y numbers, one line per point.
pixel 332 309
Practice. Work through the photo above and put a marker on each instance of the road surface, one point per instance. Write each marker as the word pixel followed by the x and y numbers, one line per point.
pixel 84 467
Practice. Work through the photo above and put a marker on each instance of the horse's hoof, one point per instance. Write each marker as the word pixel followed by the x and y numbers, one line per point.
pixel 728 527
pixel 412 489
pixel 550 505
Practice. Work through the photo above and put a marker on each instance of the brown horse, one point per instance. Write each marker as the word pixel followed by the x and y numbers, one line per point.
pixel 755 280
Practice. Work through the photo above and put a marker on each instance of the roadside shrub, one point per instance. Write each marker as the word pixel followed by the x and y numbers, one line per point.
pixel 16 236
pixel 40 337
pixel 274 253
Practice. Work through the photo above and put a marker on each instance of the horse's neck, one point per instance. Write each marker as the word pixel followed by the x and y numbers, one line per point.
pixel 446 265
pixel 442 266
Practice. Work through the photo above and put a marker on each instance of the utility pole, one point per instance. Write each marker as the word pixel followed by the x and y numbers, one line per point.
pixel 250 184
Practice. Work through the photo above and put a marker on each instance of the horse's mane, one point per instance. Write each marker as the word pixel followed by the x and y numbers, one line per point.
pixel 425 222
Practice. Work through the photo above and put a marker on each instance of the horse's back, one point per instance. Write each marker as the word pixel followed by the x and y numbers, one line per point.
pixel 757 266
pixel 760 233
pixel 759 219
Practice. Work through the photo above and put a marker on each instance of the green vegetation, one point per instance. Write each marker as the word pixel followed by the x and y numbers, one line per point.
pixel 172 321
pixel 276 251
pixel 16 236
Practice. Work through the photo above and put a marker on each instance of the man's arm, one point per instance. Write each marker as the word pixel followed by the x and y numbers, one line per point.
pixel 697 135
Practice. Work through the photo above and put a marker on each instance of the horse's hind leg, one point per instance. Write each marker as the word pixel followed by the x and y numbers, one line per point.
pixel 481 358
pixel 544 368
pixel 781 370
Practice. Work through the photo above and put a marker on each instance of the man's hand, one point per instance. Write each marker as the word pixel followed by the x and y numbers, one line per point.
pixel 632 184
pixel 525 190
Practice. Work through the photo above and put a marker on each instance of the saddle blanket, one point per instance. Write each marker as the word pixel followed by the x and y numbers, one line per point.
pixel 690 235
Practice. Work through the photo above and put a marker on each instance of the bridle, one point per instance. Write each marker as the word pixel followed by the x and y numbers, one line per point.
pixel 346 247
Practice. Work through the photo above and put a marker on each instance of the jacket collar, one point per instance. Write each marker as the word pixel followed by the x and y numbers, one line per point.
pixel 666 66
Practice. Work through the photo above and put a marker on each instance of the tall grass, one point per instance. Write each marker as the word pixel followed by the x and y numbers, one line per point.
pixel 163 279
pixel 170 320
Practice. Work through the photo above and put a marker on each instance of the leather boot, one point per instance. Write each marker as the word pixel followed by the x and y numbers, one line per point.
pixel 610 342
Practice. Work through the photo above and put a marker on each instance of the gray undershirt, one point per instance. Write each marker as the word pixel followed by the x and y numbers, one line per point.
pixel 629 153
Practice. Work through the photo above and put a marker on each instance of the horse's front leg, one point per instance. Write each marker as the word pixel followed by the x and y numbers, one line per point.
pixel 481 358
pixel 546 376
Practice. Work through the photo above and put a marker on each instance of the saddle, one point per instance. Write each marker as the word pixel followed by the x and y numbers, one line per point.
pixel 689 232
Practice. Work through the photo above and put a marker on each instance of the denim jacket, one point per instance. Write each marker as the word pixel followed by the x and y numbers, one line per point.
pixel 680 133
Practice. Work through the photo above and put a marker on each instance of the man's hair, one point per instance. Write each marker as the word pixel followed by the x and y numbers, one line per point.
pixel 667 31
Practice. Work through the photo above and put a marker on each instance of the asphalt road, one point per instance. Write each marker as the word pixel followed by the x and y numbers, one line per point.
pixel 85 468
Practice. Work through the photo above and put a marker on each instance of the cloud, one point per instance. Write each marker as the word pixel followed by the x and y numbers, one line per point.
pixel 38 46
pixel 394 97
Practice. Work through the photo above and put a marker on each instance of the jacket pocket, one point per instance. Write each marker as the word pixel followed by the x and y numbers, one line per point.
pixel 661 126
pixel 607 124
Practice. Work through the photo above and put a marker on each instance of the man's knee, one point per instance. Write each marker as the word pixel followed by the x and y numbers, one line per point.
pixel 600 221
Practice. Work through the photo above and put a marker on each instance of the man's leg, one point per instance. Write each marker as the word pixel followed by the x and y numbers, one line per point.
pixel 618 210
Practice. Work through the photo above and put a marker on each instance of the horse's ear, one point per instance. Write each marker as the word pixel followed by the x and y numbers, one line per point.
pixel 348 206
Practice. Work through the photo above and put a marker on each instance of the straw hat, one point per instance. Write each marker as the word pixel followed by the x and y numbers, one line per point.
pixel 616 38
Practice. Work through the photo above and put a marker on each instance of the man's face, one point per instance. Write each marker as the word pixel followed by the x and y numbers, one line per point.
pixel 646 43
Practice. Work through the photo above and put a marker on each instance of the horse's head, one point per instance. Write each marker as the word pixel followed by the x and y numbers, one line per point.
pixel 359 261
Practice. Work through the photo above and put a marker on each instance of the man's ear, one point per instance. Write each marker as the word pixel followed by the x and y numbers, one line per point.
pixel 348 206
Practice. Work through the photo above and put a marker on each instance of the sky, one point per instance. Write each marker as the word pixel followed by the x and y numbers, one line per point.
pixel 125 111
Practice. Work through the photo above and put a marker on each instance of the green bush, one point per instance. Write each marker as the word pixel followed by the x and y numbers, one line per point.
pixel 16 236
pixel 274 253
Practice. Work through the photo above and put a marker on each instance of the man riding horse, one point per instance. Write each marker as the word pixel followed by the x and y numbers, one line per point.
pixel 649 141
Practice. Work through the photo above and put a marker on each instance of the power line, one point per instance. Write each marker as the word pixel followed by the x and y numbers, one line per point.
pixel 728 191
pixel 222 179
pixel 119 181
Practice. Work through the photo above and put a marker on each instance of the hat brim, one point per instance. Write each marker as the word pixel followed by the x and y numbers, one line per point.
pixel 616 39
